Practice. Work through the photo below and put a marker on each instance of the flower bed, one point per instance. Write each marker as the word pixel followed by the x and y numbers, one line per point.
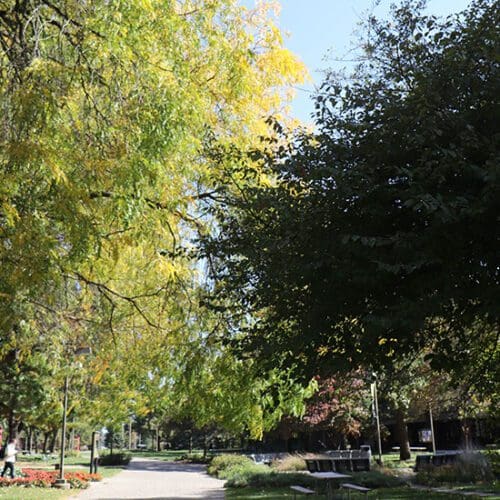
pixel 45 479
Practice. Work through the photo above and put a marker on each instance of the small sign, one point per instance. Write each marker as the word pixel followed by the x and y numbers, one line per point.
pixel 425 435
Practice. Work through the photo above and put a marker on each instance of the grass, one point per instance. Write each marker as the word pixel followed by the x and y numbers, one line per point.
pixel 20 493
pixel 279 493
pixel 17 493
pixel 165 455
pixel 82 460
pixel 109 470
pixel 391 460
pixel 493 488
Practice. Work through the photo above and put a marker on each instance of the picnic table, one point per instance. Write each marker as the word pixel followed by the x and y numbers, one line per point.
pixel 330 478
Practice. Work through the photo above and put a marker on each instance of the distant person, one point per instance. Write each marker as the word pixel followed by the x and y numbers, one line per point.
pixel 10 458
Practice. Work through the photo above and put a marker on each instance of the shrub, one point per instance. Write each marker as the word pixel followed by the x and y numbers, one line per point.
pixel 290 463
pixel 260 476
pixel 220 463
pixel 241 471
pixel 377 479
pixel 469 468
pixel 115 459
pixel 493 458
pixel 241 475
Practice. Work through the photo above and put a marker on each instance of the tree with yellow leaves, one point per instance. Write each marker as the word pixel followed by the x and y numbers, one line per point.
pixel 107 113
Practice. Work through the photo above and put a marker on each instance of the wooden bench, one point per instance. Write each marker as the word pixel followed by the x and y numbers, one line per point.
pixel 302 490
pixel 355 487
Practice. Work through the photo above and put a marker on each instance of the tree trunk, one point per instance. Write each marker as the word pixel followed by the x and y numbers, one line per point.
pixel 29 444
pixel 45 441
pixel 71 439
pixel 466 432
pixel 53 437
pixel 13 425
pixel 205 445
pixel 402 435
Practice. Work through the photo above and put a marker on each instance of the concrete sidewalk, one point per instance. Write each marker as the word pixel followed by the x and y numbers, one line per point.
pixel 154 479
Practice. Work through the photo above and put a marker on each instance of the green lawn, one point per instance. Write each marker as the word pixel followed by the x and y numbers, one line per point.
pixel 110 470
pixel 278 493
pixel 20 493
pixel 17 493
pixel 83 460
pixel 391 460
pixel 166 455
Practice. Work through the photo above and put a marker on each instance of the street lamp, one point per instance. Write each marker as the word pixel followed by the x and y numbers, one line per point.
pixel 375 402
pixel 61 482
pixel 432 429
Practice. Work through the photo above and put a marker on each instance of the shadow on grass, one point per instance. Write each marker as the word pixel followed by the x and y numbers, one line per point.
pixel 381 493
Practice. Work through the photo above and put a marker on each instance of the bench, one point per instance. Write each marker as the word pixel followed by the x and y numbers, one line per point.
pixel 302 490
pixel 266 458
pixel 442 457
pixel 340 461
pixel 355 487
pixel 412 448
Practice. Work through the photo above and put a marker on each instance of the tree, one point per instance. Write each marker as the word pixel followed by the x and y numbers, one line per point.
pixel 339 407
pixel 104 130
pixel 377 238
pixel 103 162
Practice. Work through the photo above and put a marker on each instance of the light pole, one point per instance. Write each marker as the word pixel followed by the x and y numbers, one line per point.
pixel 130 434
pixel 61 482
pixel 432 429
pixel 375 402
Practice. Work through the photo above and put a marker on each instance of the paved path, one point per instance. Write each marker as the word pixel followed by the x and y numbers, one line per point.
pixel 148 478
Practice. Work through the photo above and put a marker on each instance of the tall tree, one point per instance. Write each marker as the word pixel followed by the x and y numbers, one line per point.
pixel 105 111
pixel 379 235
pixel 104 124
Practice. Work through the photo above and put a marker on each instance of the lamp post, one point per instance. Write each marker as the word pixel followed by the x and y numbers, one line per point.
pixel 375 402
pixel 61 482
pixel 432 429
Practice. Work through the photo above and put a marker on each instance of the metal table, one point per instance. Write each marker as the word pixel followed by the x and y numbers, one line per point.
pixel 329 477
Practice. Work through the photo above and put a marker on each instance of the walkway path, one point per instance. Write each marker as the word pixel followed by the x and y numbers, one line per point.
pixel 148 478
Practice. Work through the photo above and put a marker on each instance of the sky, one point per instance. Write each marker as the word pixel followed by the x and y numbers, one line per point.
pixel 320 31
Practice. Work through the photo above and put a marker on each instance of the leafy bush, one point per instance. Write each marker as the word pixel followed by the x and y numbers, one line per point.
pixel 221 463
pixel 241 471
pixel 493 457
pixel 290 463
pixel 115 459
pixel 377 479
pixel 469 468
pixel 243 475
pixel 260 476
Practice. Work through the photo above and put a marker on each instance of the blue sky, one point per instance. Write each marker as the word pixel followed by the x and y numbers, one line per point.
pixel 322 30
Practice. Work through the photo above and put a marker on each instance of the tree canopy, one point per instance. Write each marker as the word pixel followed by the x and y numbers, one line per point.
pixel 379 236
pixel 106 112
